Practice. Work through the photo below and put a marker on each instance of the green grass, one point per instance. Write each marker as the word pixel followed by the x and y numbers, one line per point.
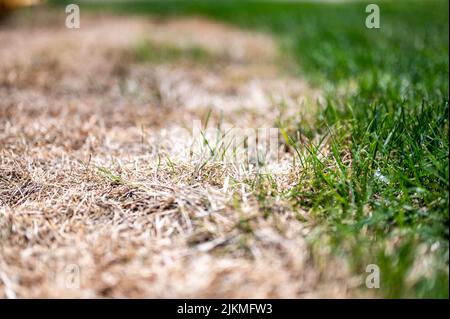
pixel 393 125
pixel 146 51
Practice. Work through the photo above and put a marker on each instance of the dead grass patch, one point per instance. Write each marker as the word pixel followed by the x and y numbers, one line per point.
pixel 80 185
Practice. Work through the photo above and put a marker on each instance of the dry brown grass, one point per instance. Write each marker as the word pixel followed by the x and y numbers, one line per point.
pixel 80 183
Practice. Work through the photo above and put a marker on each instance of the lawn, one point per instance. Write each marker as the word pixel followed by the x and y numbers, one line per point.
pixel 381 195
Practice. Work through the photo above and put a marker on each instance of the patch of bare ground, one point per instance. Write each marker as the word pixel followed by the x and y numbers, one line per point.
pixel 84 198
